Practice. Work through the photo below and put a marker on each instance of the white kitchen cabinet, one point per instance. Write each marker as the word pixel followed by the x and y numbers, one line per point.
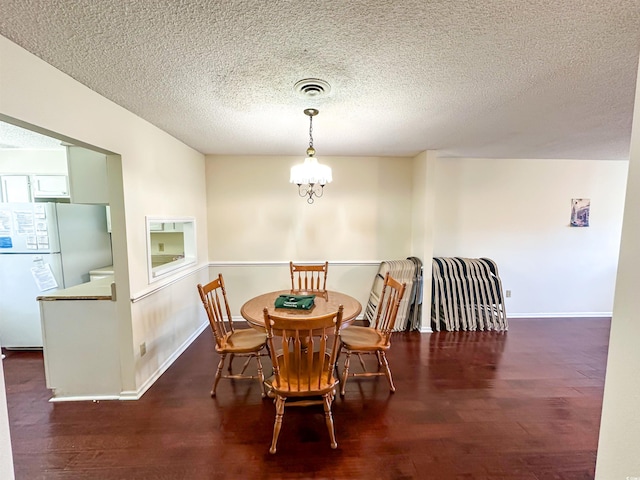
pixel 16 188
pixel 49 186
pixel 87 176
pixel 172 227
pixel 27 188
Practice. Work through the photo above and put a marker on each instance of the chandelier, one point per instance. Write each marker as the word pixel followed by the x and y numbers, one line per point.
pixel 310 176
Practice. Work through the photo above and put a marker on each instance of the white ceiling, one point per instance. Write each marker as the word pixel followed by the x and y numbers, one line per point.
pixel 495 78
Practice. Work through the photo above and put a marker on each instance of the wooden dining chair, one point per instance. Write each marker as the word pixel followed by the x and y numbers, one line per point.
pixel 229 341
pixel 303 353
pixel 308 278
pixel 376 338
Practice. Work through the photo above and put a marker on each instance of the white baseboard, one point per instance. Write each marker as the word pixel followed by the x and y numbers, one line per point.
pixel 84 398
pixel 137 394
pixel 561 315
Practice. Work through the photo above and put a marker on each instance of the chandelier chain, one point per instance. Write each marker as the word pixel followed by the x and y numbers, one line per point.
pixel 310 131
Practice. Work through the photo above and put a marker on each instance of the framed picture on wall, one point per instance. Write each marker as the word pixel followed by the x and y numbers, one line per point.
pixel 580 212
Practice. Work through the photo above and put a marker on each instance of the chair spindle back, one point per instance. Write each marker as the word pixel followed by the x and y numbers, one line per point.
pixel 308 278
pixel 303 351
pixel 387 311
pixel 214 299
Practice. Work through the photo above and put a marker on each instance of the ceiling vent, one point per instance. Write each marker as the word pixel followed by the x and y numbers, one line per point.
pixel 312 88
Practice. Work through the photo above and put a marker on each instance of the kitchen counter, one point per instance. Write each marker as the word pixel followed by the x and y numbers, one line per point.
pixel 102 272
pixel 101 289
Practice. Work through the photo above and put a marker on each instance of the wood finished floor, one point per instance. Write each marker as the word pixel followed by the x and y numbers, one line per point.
pixel 522 405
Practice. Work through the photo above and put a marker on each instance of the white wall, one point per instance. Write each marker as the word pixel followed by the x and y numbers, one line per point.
pixel 517 213
pixel 159 176
pixel 618 447
pixel 256 218
pixel 172 317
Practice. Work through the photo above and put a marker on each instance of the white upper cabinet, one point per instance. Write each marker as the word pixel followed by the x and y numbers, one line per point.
pixel 75 174
pixel 50 186
pixel 15 188
pixel 29 188
pixel 28 175
pixel 87 176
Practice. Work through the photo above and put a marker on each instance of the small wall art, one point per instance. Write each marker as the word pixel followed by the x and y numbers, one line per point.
pixel 580 212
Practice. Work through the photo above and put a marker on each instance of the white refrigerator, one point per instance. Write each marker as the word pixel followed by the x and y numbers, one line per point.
pixel 45 247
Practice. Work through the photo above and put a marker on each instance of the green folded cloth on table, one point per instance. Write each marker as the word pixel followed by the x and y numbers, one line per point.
pixel 301 302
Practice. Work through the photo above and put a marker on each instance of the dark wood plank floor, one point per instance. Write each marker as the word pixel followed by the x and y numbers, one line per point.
pixel 522 405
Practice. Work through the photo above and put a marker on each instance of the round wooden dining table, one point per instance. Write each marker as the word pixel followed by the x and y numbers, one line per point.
pixel 327 302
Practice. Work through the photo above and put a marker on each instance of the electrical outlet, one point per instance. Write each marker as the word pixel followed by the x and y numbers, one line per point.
pixel 507 293
pixel 143 349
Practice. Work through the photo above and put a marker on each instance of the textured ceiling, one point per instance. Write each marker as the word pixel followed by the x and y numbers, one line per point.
pixel 501 78
pixel 12 137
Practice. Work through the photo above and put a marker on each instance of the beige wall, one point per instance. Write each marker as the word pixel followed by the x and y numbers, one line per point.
pixel 258 223
pixel 246 280
pixel 618 448
pixel 167 243
pixel 517 213
pixel 514 211
pixel 423 206
pixel 256 215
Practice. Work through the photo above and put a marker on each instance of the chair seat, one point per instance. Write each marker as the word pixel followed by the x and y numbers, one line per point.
pixel 325 388
pixel 363 339
pixel 243 341
pixel 374 340
pixel 291 385
pixel 229 341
